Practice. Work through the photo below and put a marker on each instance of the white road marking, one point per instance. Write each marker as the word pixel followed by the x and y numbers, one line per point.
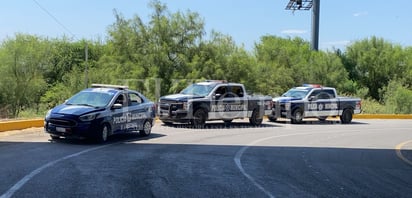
pixel 240 152
pixel 28 177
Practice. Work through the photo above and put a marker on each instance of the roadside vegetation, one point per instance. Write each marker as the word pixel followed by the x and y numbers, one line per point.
pixel 162 55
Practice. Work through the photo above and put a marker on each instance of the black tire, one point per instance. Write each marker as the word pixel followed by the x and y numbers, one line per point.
pixel 147 128
pixel 103 133
pixel 322 118
pixel 54 137
pixel 256 119
pixel 297 116
pixel 346 116
pixel 228 122
pixel 272 119
pixel 199 118
pixel 167 123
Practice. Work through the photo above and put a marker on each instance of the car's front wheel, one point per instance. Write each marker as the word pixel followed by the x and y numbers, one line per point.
pixel 104 133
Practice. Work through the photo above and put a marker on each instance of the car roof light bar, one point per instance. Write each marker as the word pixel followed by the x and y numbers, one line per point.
pixel 120 87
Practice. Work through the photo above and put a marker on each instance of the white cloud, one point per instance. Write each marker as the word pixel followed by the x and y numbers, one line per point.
pixel 294 31
pixel 358 14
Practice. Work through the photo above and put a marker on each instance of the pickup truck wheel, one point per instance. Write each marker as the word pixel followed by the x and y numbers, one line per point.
pixel 167 123
pixel 228 122
pixel 199 118
pixel 346 116
pixel 104 133
pixel 147 128
pixel 297 116
pixel 272 119
pixel 256 119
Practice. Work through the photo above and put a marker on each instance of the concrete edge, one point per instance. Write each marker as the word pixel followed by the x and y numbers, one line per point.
pixel 24 124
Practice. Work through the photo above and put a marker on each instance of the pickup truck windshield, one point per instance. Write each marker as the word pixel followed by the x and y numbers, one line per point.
pixel 94 99
pixel 198 89
pixel 296 93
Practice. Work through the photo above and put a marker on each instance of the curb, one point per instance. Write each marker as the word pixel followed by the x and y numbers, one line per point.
pixel 24 124
pixel 20 124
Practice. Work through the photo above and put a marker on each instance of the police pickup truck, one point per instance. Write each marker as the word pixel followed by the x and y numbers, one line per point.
pixel 101 111
pixel 213 100
pixel 314 101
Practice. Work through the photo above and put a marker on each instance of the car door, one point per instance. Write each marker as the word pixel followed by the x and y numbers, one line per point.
pixel 137 112
pixel 119 114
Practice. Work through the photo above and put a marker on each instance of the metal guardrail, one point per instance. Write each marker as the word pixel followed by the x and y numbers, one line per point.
pixel 24 124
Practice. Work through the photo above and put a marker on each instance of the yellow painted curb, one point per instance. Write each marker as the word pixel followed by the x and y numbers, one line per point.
pixel 382 116
pixel 20 124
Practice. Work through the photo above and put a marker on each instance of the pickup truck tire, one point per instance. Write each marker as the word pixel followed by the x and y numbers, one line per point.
pixel 272 119
pixel 256 119
pixel 147 128
pixel 104 133
pixel 346 116
pixel 167 123
pixel 297 116
pixel 199 118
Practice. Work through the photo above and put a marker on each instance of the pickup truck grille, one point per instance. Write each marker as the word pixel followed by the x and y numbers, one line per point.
pixel 170 105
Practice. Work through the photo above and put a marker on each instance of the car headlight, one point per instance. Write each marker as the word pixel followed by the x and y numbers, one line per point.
pixel 88 117
pixel 48 113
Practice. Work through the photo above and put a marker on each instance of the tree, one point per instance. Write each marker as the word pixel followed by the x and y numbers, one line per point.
pixel 21 63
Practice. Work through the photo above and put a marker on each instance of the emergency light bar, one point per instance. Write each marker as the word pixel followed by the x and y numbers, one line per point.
pixel 120 87
pixel 312 85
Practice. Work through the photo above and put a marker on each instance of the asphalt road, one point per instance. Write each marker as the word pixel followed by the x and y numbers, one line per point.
pixel 368 158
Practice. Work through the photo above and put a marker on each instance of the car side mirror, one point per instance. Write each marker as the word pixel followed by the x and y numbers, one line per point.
pixel 117 106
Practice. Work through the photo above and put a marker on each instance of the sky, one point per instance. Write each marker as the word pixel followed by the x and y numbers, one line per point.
pixel 341 22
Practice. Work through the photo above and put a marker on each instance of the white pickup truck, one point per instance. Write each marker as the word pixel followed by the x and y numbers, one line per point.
pixel 314 101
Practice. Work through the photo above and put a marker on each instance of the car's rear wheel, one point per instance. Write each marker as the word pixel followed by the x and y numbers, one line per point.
pixel 147 128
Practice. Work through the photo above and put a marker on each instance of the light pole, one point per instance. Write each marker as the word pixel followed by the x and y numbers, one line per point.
pixel 307 5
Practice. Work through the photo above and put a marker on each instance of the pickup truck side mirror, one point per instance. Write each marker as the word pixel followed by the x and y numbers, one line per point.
pixel 312 98
pixel 217 96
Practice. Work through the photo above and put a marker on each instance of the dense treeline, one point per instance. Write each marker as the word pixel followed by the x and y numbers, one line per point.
pixel 169 51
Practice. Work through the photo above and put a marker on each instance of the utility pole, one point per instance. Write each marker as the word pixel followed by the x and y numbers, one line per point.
pixel 307 5
pixel 86 74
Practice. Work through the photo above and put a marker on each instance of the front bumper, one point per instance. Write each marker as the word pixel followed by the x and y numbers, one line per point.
pixel 75 130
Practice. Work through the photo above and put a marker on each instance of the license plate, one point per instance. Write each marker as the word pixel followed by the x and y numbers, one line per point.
pixel 61 129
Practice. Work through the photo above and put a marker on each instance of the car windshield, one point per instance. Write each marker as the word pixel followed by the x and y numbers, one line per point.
pixel 198 89
pixel 296 93
pixel 88 98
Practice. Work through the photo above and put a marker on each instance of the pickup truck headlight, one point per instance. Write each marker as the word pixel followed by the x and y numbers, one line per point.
pixel 88 117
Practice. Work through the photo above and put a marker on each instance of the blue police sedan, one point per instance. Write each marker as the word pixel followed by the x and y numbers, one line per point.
pixel 99 112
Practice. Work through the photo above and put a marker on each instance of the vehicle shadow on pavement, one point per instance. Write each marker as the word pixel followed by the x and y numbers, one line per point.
pixel 216 125
pixel 317 122
pixel 124 137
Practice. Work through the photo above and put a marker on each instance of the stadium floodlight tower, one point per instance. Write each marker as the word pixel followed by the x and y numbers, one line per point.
pixel 307 5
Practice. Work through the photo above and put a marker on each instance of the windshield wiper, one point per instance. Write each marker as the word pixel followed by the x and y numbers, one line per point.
pixel 84 104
